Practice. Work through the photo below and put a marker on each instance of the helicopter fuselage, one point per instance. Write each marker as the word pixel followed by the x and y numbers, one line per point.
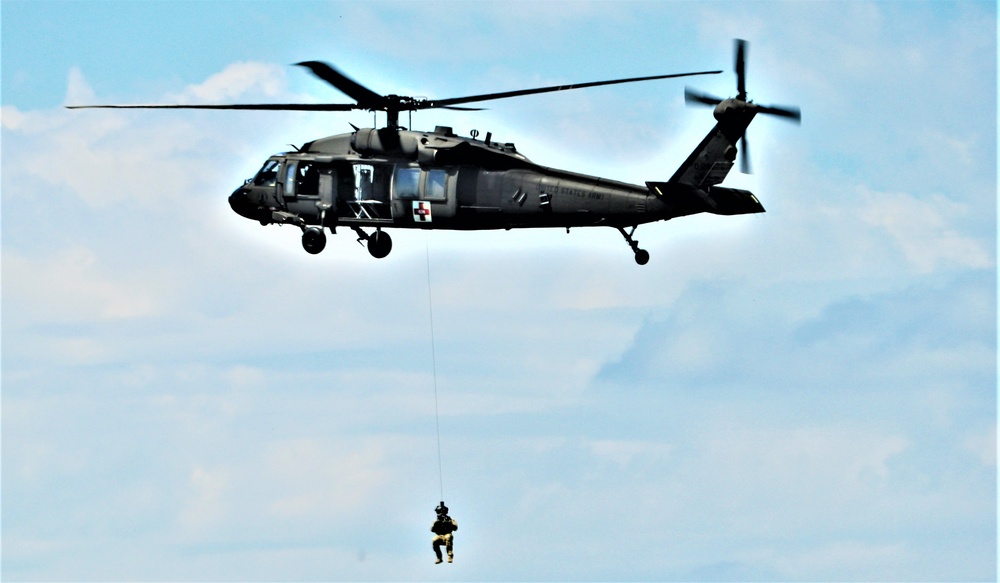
pixel 437 180
pixel 433 180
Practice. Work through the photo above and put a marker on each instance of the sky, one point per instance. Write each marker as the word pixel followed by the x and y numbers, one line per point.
pixel 808 394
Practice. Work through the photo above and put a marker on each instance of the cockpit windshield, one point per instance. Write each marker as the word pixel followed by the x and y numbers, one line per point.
pixel 268 174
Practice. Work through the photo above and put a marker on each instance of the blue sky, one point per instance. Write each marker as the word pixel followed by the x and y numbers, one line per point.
pixel 807 394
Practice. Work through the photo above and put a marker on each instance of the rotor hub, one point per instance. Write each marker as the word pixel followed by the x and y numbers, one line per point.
pixel 729 108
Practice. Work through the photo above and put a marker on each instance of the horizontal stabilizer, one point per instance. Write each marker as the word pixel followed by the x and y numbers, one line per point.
pixel 684 199
pixel 732 201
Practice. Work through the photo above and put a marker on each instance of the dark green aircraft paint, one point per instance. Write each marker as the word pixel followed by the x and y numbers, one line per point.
pixel 393 177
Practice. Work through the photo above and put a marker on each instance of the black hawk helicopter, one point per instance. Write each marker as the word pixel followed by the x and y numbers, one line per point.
pixel 399 178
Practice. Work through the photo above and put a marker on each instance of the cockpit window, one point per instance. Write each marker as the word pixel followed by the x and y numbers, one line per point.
pixel 268 175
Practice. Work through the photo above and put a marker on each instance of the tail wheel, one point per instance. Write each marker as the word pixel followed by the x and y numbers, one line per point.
pixel 379 244
pixel 641 255
pixel 313 240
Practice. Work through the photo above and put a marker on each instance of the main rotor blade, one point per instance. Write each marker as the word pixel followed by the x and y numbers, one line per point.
pixel 432 103
pixel 258 106
pixel 350 87
pixel 741 81
pixel 692 96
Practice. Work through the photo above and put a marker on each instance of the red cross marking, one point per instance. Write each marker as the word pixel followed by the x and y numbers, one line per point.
pixel 422 211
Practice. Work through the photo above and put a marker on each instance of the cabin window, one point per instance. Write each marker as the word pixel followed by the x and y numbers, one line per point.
pixel 407 183
pixel 308 180
pixel 435 189
pixel 268 175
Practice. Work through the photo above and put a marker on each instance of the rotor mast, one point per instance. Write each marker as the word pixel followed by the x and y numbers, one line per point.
pixel 392 119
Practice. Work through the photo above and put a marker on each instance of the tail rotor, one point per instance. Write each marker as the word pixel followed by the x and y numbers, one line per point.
pixel 740 103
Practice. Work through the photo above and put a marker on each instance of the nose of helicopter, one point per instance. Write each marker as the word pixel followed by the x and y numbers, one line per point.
pixel 241 204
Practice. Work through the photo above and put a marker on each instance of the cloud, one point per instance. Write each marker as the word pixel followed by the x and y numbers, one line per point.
pixel 238 81
pixel 715 337
pixel 78 91
pixel 70 289
pixel 871 416
pixel 923 230
pixel 206 503
pixel 859 558
pixel 627 452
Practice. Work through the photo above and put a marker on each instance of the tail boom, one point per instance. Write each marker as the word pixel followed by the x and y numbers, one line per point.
pixel 684 199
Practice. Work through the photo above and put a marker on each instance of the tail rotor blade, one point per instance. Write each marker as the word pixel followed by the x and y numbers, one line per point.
pixel 741 81
pixel 792 113
pixel 744 156
pixel 692 96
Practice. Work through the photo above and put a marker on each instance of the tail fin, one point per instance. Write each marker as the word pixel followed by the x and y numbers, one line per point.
pixel 712 160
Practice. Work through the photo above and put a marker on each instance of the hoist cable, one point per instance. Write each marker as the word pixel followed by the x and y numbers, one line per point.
pixel 437 415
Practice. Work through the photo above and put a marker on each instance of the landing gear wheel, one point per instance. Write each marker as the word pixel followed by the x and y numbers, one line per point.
pixel 641 255
pixel 313 240
pixel 379 244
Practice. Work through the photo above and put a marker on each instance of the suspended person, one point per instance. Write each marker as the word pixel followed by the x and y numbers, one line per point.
pixel 443 528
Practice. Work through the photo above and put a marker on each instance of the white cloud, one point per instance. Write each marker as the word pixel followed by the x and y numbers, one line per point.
pixel 78 91
pixel 316 480
pixel 926 230
pixel 153 159
pixel 984 446
pixel 205 504
pixel 93 154
pixel 847 559
pixel 74 287
pixel 11 118
pixel 237 81
pixel 243 377
pixel 838 465
pixel 624 453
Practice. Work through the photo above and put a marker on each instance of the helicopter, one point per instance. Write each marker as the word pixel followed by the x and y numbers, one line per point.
pixel 394 177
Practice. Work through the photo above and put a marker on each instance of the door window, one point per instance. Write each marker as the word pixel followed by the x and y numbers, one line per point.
pixel 364 177
pixel 308 179
pixel 290 180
